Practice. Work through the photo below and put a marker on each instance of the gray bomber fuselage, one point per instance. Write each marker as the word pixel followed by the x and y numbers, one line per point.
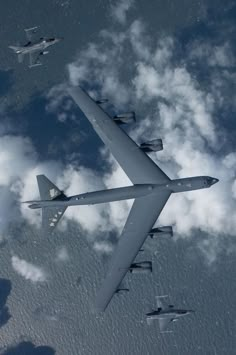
pixel 129 192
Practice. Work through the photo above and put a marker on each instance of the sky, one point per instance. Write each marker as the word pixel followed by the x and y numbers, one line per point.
pixel 174 65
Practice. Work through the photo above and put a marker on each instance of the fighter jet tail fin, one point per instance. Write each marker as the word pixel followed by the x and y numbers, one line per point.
pixel 50 215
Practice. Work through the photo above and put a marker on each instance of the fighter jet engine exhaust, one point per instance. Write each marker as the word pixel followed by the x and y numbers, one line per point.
pixel 166 231
pixel 154 145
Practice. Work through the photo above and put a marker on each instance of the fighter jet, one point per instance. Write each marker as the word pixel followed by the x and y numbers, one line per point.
pixel 34 48
pixel 165 314
pixel 151 189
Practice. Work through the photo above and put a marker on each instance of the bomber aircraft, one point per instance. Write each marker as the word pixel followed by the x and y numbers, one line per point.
pixel 166 314
pixel 34 48
pixel 151 189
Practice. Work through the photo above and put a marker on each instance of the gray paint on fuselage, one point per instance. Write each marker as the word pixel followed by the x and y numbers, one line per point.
pixel 129 192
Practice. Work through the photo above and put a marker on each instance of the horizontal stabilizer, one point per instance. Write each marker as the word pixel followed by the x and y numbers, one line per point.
pixel 150 321
pixel 50 218
pixel 20 57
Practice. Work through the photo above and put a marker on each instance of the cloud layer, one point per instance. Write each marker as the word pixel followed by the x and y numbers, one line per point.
pixel 28 270
pixel 177 106
pixel 138 70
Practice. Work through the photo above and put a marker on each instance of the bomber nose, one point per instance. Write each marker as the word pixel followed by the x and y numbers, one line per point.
pixel 214 181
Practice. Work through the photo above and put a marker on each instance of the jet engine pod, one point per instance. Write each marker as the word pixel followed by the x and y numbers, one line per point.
pixel 154 145
pixel 101 101
pixel 44 52
pixel 127 117
pixel 141 267
pixel 166 231
pixel 121 290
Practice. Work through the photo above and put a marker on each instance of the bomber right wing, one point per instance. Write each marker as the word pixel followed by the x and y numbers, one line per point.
pixel 142 216
pixel 136 164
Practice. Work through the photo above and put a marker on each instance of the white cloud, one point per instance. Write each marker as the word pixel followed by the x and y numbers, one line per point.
pixel 62 254
pixel 28 270
pixel 135 69
pixel 79 180
pixel 16 156
pixel 103 247
pixel 60 103
pixel 174 106
pixel 120 9
pixel 215 55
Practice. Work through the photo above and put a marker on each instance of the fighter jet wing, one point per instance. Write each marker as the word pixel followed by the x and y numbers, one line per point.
pixel 136 164
pixel 164 322
pixel 135 231
pixel 30 32
pixel 34 59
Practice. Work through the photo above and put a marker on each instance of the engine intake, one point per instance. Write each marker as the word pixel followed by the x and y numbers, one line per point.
pixel 121 290
pixel 127 117
pixel 141 267
pixel 101 101
pixel 154 145
pixel 166 231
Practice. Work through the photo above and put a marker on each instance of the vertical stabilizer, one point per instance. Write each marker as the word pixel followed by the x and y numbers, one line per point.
pixel 47 190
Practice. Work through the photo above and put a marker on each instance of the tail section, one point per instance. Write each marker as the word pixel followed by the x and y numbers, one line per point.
pixel 50 215
pixel 47 190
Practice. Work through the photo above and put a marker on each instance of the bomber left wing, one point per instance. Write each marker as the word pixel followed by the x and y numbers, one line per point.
pixel 136 164
pixel 135 231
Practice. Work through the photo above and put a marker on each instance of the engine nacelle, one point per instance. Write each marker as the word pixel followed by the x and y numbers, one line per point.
pixel 101 101
pixel 141 267
pixel 122 290
pixel 44 52
pixel 127 117
pixel 161 232
pixel 154 145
